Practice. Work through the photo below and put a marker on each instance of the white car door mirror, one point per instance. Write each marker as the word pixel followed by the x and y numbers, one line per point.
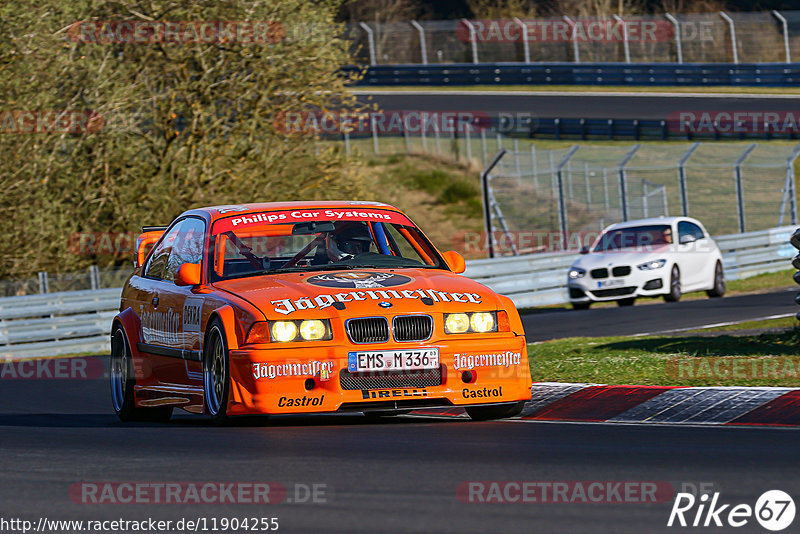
pixel 687 238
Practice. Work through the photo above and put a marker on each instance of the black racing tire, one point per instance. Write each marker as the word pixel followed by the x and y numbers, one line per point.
pixel 216 372
pixel 123 380
pixel 719 283
pixel 675 291
pixel 630 301
pixel 487 413
pixel 581 305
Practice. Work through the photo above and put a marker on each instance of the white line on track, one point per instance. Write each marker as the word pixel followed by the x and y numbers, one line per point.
pixel 714 325
pixel 450 92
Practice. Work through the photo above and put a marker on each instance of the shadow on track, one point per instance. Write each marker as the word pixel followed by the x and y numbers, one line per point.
pixel 60 420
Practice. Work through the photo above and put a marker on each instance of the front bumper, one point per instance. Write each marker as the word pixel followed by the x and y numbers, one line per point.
pixel 638 283
pixel 274 380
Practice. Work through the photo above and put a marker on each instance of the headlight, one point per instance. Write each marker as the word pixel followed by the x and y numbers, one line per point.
pixel 482 322
pixel 456 323
pixel 313 330
pixel 284 331
pixel 305 330
pixel 576 272
pixel 462 323
pixel 650 265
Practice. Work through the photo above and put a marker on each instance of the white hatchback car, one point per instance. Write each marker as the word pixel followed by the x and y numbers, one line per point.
pixel 643 258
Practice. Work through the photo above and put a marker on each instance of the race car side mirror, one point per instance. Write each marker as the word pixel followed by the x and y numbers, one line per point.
pixel 188 275
pixel 584 250
pixel 455 261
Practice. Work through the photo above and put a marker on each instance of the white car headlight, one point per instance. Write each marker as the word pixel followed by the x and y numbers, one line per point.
pixel 576 272
pixel 650 265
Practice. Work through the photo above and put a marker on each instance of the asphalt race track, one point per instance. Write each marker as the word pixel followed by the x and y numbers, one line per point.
pixel 578 105
pixel 397 475
pixel 660 318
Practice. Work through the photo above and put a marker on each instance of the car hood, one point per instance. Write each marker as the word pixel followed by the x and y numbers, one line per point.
pixel 361 292
pixel 597 260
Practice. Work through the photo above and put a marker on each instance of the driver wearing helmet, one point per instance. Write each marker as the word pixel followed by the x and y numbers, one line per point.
pixel 348 242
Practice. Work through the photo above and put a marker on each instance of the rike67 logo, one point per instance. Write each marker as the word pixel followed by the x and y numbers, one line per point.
pixel 774 510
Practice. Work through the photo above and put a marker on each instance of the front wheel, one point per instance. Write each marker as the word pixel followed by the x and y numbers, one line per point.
pixel 486 413
pixel 675 293
pixel 626 302
pixel 719 283
pixel 581 305
pixel 216 373
pixel 123 380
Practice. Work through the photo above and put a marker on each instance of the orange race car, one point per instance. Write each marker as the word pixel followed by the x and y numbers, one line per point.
pixel 309 307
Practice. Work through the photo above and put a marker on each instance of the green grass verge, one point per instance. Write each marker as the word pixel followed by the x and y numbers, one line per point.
pixel 767 359
pixel 593 89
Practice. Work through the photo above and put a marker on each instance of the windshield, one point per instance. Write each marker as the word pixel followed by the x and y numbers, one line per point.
pixel 638 237
pixel 316 240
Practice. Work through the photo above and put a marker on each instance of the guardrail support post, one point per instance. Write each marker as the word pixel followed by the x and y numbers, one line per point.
pixel 682 178
pixel 678 45
pixel 562 203
pixel 782 20
pixel 625 43
pixel 473 39
pixel 422 44
pixel 623 185
pixel 371 41
pixel 525 46
pixel 94 277
pixel 733 36
pixel 739 191
pixel 487 208
pixel 576 53
pixel 44 286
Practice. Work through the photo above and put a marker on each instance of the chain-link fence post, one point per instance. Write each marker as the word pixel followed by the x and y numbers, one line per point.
pixel 682 179
pixel 737 170
pixel 563 224
pixel 487 208
pixel 623 186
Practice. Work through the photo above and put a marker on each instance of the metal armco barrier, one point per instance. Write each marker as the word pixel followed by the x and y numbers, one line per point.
pixel 653 74
pixel 80 321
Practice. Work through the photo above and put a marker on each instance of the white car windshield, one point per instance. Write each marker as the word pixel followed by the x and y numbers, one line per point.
pixel 637 237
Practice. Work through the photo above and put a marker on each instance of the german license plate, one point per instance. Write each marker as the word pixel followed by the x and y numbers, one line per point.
pixel 392 360
pixel 610 283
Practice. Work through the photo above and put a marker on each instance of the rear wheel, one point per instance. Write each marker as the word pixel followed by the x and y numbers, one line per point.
pixel 486 413
pixel 123 380
pixel 626 302
pixel 216 373
pixel 719 283
pixel 674 294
